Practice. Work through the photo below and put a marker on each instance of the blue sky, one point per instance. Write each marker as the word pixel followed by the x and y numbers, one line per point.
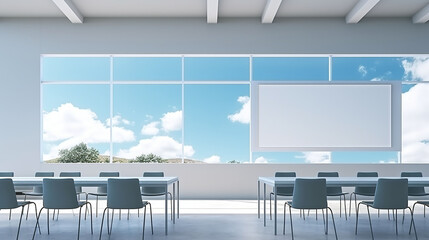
pixel 147 118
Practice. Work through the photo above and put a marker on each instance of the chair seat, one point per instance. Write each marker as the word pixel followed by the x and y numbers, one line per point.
pixel 365 194
pixel 33 193
pixel 418 194
pixel 426 203
pixel 23 203
pixel 98 194
pixel 153 194
pixel 283 194
pixel 337 194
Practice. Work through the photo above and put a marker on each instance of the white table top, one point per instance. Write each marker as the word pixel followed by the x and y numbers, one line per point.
pixel 94 181
pixel 344 181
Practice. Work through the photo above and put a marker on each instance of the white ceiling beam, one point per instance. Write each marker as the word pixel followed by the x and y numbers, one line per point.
pixel 212 11
pixel 360 10
pixel 422 16
pixel 70 10
pixel 270 10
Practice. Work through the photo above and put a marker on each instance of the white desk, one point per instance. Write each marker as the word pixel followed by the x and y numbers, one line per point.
pixel 276 182
pixel 100 181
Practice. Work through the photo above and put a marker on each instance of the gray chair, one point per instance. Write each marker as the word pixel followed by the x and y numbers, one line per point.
pixel 416 191
pixel 156 191
pixel 283 191
pixel 102 190
pixel 124 194
pixel 61 194
pixel 309 194
pixel 389 194
pixel 335 191
pixel 362 191
pixel 37 190
pixel 8 174
pixel 78 189
pixel 8 200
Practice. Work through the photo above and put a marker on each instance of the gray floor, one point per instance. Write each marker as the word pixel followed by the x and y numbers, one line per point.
pixel 217 220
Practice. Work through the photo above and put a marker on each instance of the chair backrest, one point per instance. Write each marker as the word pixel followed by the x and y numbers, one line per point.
pixel 285 191
pixel 366 191
pixel 39 189
pixel 331 190
pixel 59 193
pixel 309 193
pixel 72 174
pixel 414 191
pixel 7 194
pixel 7 174
pixel 391 193
pixel 103 189
pixel 124 193
pixel 153 191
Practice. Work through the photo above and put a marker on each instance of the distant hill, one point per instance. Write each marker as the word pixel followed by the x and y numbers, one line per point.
pixel 105 159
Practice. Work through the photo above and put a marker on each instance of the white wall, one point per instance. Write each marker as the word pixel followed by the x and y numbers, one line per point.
pixel 23 40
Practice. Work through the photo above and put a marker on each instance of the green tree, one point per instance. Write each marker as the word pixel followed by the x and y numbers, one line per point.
pixel 233 161
pixel 149 158
pixel 79 154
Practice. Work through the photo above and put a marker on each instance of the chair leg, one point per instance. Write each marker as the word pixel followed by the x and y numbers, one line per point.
pixel 90 212
pixel 96 206
pixel 340 206
pixel 326 229
pixel 271 218
pixel 345 207
pixel 403 216
pixel 151 220
pixel 47 219
pixel 412 221
pixel 20 219
pixel 291 225
pixel 350 204
pixel 102 220
pixel 144 221
pixel 171 205
pixel 78 227
pixel 120 214
pixel 357 218
pixel 333 221
pixel 28 207
pixel 284 219
pixel 35 213
pixel 396 220
pixel 37 222
pixel 10 214
pixel 111 222
pixel 370 224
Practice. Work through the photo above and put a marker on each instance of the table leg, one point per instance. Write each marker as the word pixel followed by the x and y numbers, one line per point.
pixel 259 199
pixel 265 193
pixel 174 203
pixel 178 197
pixel 166 210
pixel 275 210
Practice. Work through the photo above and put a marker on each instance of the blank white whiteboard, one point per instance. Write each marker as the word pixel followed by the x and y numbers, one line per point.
pixel 323 116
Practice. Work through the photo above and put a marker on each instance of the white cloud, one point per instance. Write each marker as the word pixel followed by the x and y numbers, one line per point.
pixel 362 70
pixel 164 146
pixel 172 121
pixel 150 129
pixel 415 127
pixel 212 159
pixel 243 116
pixel 316 157
pixel 116 120
pixel 72 125
pixel 261 160
pixel 416 69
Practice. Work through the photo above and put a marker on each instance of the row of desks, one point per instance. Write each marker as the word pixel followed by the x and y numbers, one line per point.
pixel 276 182
pixel 101 181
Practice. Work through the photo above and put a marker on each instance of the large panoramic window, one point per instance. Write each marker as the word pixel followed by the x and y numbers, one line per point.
pixel 197 108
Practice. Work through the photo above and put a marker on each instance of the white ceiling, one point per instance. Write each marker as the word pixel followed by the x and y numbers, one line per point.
pixel 198 8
